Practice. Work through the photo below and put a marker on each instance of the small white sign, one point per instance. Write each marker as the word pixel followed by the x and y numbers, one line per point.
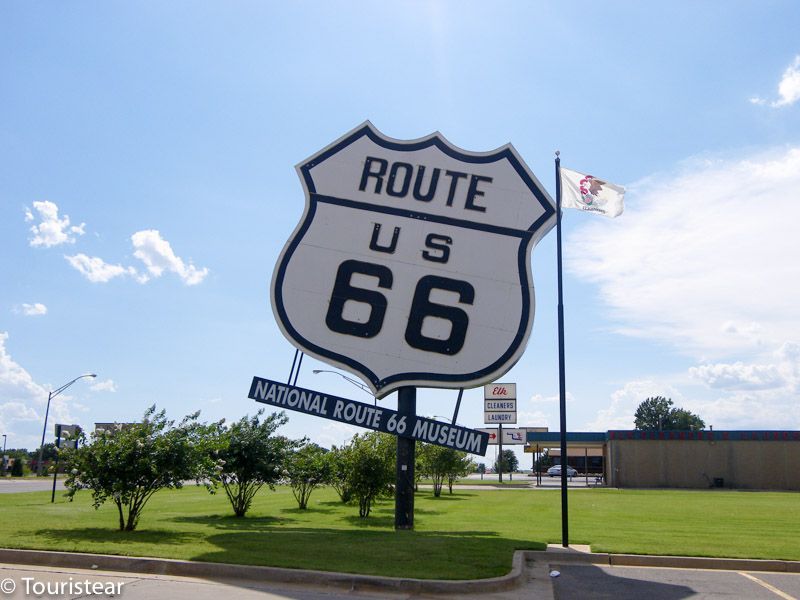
pixel 499 405
pixel 66 431
pixel 500 417
pixel 512 436
pixel 500 391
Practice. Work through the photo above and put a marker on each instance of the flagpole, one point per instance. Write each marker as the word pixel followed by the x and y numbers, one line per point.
pixel 562 385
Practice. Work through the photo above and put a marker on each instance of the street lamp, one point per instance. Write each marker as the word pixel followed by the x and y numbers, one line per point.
pixel 4 456
pixel 356 383
pixel 50 396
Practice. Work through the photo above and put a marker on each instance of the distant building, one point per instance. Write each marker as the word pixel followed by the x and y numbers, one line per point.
pixel 764 460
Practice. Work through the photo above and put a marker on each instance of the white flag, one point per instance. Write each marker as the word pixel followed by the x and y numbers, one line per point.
pixel 586 192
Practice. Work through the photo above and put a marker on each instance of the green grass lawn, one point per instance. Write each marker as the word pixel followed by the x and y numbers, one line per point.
pixel 470 534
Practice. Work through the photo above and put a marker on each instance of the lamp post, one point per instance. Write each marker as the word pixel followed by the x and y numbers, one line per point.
pixel 354 382
pixel 50 396
pixel 4 456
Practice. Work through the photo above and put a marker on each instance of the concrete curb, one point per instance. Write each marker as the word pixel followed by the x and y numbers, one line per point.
pixel 674 562
pixel 209 570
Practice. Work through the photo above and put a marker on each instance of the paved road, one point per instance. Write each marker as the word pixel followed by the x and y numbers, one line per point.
pixel 28 581
pixel 10 485
pixel 622 583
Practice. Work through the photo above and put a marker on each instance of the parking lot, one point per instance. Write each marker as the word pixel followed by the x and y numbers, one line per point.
pixel 653 583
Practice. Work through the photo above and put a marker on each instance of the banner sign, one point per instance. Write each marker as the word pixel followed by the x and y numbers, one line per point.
pixel 512 436
pixel 500 391
pixel 368 416
pixel 411 263
pixel 500 403
pixel 500 418
pixel 66 431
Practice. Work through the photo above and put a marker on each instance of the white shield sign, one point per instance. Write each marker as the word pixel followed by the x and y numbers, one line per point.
pixel 411 263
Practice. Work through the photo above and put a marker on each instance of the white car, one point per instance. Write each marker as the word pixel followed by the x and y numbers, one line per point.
pixel 556 471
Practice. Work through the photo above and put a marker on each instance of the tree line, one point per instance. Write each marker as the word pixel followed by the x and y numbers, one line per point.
pixel 127 466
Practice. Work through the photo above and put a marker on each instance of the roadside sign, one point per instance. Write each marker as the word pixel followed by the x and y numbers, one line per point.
pixel 368 416
pixel 66 431
pixel 500 391
pixel 500 403
pixel 502 418
pixel 411 263
pixel 512 436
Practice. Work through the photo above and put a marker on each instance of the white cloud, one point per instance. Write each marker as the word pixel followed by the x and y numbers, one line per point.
pixel 51 230
pixel 705 259
pixel 769 409
pixel 24 403
pixel 739 376
pixel 335 434
pixel 788 88
pixel 624 401
pixel 31 310
pixel 157 255
pixel 97 270
pixel 22 396
pixel 104 386
pixel 16 411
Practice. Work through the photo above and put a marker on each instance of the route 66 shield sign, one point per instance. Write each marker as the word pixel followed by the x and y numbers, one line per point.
pixel 411 263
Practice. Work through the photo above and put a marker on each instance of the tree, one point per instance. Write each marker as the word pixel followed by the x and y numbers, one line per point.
pixel 249 456
pixel 685 420
pixel 461 465
pixel 49 454
pixel 307 468
pixel 443 464
pixel 653 413
pixel 130 465
pixel 339 461
pixel 658 413
pixel 507 462
pixel 371 468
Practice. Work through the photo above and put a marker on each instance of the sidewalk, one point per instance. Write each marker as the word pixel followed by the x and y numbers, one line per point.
pixel 528 578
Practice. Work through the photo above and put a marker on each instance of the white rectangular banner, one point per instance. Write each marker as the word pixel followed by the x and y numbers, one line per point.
pixel 500 405
pixel 500 417
pixel 500 391
pixel 512 436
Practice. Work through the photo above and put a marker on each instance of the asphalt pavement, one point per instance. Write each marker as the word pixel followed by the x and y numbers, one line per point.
pixel 12 485
pixel 658 583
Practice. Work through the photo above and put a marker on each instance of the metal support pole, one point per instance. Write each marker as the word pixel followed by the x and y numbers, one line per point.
pixel 404 482
pixel 586 463
pixel 299 363
pixel 458 405
pixel 500 447
pixel 58 455
pixel 44 432
pixel 291 371
pixel 562 383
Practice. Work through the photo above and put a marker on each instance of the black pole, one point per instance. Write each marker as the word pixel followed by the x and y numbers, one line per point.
pixel 297 373
pixel 500 455
pixel 291 372
pixel 458 405
pixel 55 474
pixel 562 384
pixel 404 481
pixel 44 432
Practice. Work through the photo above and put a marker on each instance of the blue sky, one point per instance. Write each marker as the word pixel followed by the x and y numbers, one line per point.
pixel 147 186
